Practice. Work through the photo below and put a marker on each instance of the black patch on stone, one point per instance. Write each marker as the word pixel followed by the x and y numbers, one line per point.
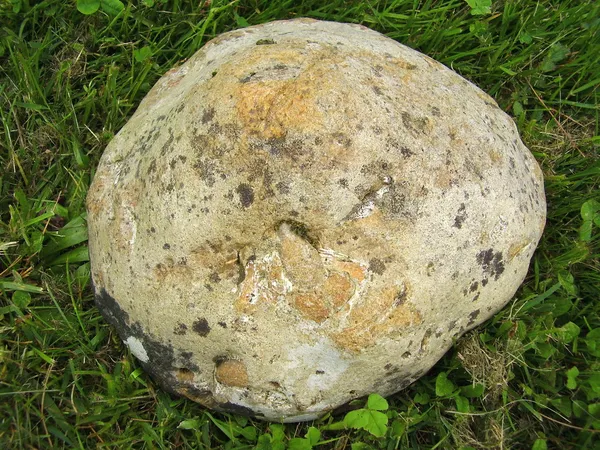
pixel 283 187
pixel 472 317
pixel 451 325
pixel 474 286
pixel 166 246
pixel 246 194
pixel 161 356
pixel 180 329
pixel 214 277
pixel 265 42
pixel 320 372
pixel 461 216
pixel 208 115
pixel 222 324
pixel 492 263
pixel 201 327
pixel 377 266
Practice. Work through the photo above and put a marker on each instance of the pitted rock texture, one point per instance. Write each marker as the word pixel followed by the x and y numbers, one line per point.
pixel 307 212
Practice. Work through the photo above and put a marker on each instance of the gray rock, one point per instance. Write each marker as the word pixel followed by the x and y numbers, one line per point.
pixel 307 212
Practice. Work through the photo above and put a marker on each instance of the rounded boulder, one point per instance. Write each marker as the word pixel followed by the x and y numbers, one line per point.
pixel 307 212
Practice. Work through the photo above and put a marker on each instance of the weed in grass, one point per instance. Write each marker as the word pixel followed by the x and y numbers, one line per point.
pixel 528 378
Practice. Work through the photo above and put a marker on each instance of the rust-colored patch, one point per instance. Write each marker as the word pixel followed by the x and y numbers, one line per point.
pixel 270 108
pixel 301 260
pixel 232 373
pixel 379 314
pixel 516 248
pixel 184 375
pixel 495 156
pixel 311 306
pixel 356 271
pixel 338 289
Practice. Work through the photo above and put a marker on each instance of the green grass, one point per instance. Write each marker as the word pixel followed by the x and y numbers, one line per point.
pixel 528 378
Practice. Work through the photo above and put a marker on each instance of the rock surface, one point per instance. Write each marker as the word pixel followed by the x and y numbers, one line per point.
pixel 307 212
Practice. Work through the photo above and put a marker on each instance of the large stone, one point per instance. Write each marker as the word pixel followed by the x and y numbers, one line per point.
pixel 307 212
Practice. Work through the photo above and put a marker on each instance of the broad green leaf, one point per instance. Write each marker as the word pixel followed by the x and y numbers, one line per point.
pixel 556 54
pixel 563 404
pixel 374 422
pixel 398 428
pixel 540 444
pixel 568 332
pixel 472 391
pixel 594 410
pixel 572 375
pixel 443 386
pixel 278 432
pixel 594 381
pixel 240 21
pixel 21 299
pixel 313 435
pixel 567 282
pixel 592 341
pixel 462 404
pixel 142 54
pixel 545 349
pixel 189 424
pixel 590 210
pixel 112 7
pixel 377 402
pixel 480 7
pixel 249 433
pixel 360 446
pixel 525 38
pixel 88 7
pixel 422 398
pixel 299 444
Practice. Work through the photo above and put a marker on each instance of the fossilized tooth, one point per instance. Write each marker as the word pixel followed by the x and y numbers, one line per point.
pixel 304 213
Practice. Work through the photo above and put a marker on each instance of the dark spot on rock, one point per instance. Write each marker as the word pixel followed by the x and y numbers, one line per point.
pixel 161 356
pixel 474 286
pixel 472 317
pixel 166 246
pixel 320 372
pixel 476 297
pixel 201 327
pixel 406 152
pixel 492 263
pixel 208 115
pixel 377 90
pixel 484 282
pixel 438 333
pixel 343 182
pixel 265 42
pixel 222 324
pixel 400 297
pixel 152 230
pixel 213 74
pixel 235 409
pixel 180 329
pixel 388 366
pixel 246 194
pixel 406 355
pixel 152 167
pixel 214 277
pixel 435 111
pixel 283 187
pixel 208 287
pixel 461 216
pixel 376 265
pixel 451 325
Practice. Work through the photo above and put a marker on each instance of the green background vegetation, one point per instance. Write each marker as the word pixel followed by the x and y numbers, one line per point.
pixel 528 378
